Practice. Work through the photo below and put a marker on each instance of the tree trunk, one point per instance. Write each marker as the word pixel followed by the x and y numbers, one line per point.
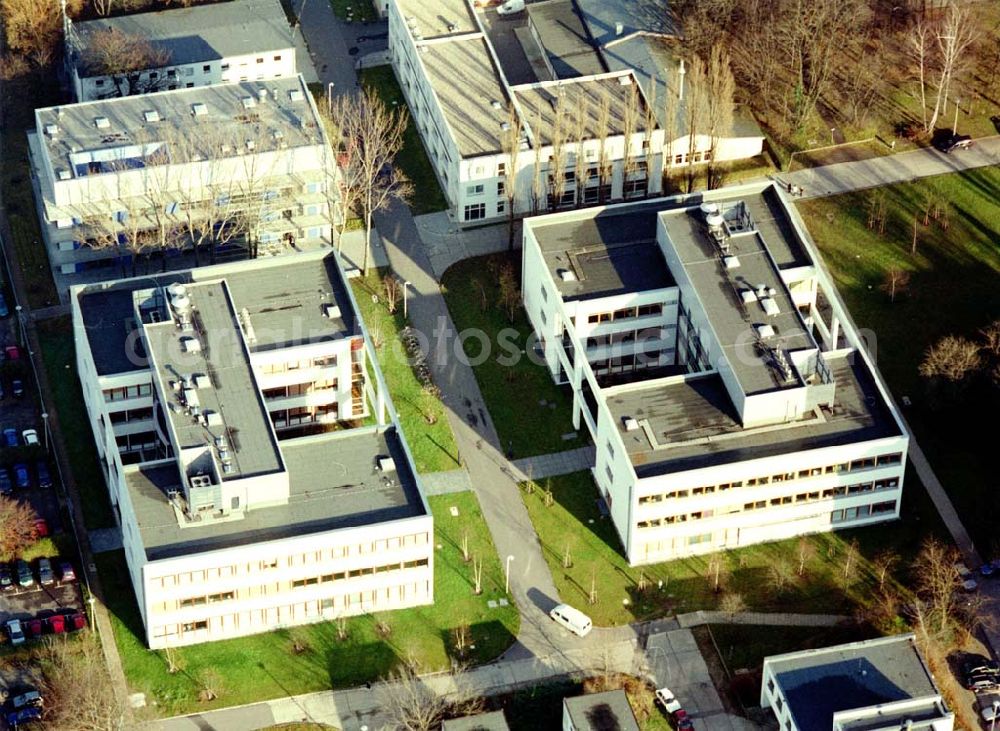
pixel 368 240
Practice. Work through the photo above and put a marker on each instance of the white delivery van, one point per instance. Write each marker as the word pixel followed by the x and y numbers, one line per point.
pixel 572 619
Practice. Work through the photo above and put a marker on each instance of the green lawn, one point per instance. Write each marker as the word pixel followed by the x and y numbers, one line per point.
pixel 412 159
pixel 953 290
pixel 574 520
pixel 533 422
pixel 58 354
pixel 263 666
pixel 357 10
pixel 421 414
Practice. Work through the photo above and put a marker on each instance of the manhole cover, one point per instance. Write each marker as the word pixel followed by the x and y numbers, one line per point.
pixel 352 51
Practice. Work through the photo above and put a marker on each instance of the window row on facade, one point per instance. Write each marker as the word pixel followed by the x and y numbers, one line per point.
pixel 863 463
pixel 626 313
pixel 324 361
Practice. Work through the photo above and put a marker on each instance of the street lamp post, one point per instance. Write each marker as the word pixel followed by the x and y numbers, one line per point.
pixel 45 428
pixel 506 586
pixel 954 127
pixel 832 140
pixel 93 617
pixel 406 286
pixel 329 98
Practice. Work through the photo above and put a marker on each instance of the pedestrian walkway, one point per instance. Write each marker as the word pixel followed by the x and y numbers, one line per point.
pixel 103 540
pixel 445 483
pixel 446 243
pixel 773 619
pixel 861 174
pixel 550 465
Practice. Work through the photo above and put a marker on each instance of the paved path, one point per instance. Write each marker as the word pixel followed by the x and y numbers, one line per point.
pixel 557 463
pixel 446 243
pixel 847 176
pixel 444 483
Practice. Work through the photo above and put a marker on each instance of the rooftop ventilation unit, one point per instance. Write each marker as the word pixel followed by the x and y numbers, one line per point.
pixel 52 130
pixel 213 418
pixel 452 27
pixel 191 345
pixel 202 381
pixel 176 289
pixel 201 481
pixel 567 275
pixel 748 296
pixel 332 312
pixel 64 174
pixel 496 105
pixel 249 102
pixel 199 110
pixel 102 123
pixel 278 135
pixel 731 262
pixel 262 95
pixel 625 80
pixel 296 95
pixel 769 306
pixel 709 208
pixel 629 423
pixel 151 115
pixel 505 126
pixel 619 28
pixel 386 464
pixel 764 331
pixel 227 467
pixel 251 145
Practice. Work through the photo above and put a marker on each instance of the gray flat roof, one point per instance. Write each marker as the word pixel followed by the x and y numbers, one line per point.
pixel 432 19
pixel 636 16
pixel 564 38
pixel 494 721
pixel 284 297
pixel 232 391
pixel 334 484
pixel 818 683
pixel 466 84
pixel 610 252
pixel 695 424
pixel 921 717
pixel 579 96
pixel 719 290
pixel 127 139
pixel 607 711
pixel 200 33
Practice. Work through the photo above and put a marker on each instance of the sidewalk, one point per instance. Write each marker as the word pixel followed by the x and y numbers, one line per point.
pixel 557 463
pixel 849 176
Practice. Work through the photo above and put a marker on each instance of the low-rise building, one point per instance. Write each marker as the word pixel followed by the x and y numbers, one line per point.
pixel 240 165
pixel 875 685
pixel 493 721
pixel 730 397
pixel 599 712
pixel 212 394
pixel 241 40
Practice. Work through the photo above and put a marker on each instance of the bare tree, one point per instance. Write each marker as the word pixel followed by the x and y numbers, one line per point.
pixel 918 42
pixel 580 167
pixel 719 104
pixel 511 141
pixel 349 179
pixel 956 33
pixel 632 115
pixel 896 280
pixel 732 604
pixel 780 574
pixel 605 165
pixel 991 338
pixel 849 567
pixel 392 289
pixel 557 158
pixel 717 571
pixel 212 684
pixel 805 551
pixel 883 563
pixel 537 170
pixel 33 28
pixel 953 358
pixel 477 576
pixel 79 694
pixel 372 137
pixel 125 57
pixel 696 112
pixel 413 706
pixel 509 293
pixel 17 526
pixel 937 583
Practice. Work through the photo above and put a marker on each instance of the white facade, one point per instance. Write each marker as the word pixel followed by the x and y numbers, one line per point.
pixel 669 496
pixel 119 178
pixel 273 547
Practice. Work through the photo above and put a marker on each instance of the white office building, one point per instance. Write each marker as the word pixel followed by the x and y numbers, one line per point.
pixel 729 395
pixel 258 475
pixel 875 685
pixel 241 40
pixel 243 165
pixel 545 72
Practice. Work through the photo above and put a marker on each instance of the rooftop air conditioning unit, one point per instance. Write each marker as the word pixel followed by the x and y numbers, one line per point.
pixel 296 95
pixel 201 481
pixel 191 345
pixel 630 423
pixel 251 144
pixel 731 262
pixel 151 115
pixel 199 110
pixel 52 130
pixel 765 331
pixel 769 306
pixel 567 275
pixel 332 312
pixel 64 174
pixel 102 123
pixel 386 464
pixel 249 102
pixel 262 95
pixel 213 418
pixel 748 296
pixel 202 381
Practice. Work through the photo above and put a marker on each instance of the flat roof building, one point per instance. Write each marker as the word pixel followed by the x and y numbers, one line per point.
pixel 607 711
pixel 494 721
pixel 729 396
pixel 875 685
pixel 240 40
pixel 241 165
pixel 243 446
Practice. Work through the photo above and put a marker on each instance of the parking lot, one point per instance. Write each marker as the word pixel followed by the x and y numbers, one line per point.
pixel 39 601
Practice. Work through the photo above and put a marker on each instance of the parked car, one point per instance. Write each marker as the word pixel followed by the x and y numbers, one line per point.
pixel 10 437
pixel 6 486
pixel 990 568
pixel 30 437
pixel 75 621
pixel 33 627
pixel 24 697
pixel 14 631
pixel 17 719
pixel 46 577
pixel 21 707
pixel 56 624
pixel 41 527
pixel 6 577
pixel 24 576
pixel 956 142
pixel 510 7
pixel 44 476
pixel 22 477
pixel 973 664
pixel 665 697
pixel 17 387
pixel 572 619
pixel 12 352
pixel 978 682
pixel 4 309
pixel 66 572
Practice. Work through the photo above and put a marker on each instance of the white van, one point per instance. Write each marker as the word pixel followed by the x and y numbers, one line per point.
pixel 572 619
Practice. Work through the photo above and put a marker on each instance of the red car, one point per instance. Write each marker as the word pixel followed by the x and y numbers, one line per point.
pixel 41 527
pixel 75 621
pixel 12 352
pixel 33 627
pixel 56 624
